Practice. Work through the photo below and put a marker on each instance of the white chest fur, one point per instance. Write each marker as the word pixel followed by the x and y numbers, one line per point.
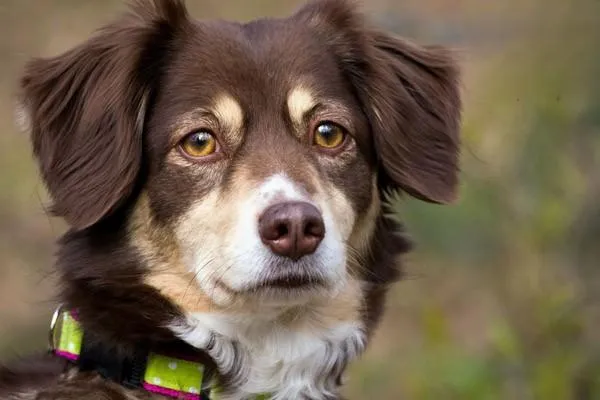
pixel 288 363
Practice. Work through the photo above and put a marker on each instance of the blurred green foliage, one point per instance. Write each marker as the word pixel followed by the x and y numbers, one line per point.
pixel 499 300
pixel 526 231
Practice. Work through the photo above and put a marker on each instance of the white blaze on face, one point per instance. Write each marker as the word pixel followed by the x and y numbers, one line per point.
pixel 328 259
pixel 221 241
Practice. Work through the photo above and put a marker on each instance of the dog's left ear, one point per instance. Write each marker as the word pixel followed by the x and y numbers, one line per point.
pixel 412 97
pixel 410 94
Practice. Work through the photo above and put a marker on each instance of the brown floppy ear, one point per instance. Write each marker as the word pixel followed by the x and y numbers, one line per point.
pixel 85 110
pixel 410 95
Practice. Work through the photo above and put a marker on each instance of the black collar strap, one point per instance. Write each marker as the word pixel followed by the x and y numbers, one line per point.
pixel 171 376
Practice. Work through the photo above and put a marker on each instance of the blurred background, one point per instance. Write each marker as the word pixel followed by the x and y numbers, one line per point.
pixel 500 298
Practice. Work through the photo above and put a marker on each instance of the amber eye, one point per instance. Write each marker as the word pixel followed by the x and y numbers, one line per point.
pixel 199 144
pixel 329 135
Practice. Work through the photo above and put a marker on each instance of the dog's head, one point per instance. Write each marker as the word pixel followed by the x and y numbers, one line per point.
pixel 247 160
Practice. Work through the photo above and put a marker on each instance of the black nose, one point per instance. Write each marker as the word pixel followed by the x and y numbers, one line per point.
pixel 291 229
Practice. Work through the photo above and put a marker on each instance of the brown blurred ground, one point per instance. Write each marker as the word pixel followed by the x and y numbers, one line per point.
pixel 500 297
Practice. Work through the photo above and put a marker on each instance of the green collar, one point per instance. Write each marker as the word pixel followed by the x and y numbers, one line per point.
pixel 157 373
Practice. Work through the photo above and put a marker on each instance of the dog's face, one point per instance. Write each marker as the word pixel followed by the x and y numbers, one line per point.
pixel 259 162
pixel 251 158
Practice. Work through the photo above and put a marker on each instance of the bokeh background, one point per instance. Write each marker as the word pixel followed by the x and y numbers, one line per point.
pixel 500 298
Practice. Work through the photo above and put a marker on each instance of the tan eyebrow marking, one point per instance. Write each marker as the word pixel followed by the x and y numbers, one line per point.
pixel 229 112
pixel 299 102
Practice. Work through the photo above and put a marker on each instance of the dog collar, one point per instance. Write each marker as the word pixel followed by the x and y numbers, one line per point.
pixel 161 374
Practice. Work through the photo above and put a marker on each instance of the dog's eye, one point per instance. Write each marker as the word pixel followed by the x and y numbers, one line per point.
pixel 199 144
pixel 329 135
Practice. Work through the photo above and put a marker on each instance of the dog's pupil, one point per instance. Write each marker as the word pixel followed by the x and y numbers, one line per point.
pixel 201 139
pixel 327 132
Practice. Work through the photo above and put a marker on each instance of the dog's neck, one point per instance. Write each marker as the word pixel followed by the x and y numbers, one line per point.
pixel 290 355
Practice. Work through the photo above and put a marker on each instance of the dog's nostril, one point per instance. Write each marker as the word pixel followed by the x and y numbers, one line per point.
pixel 292 229
pixel 282 230
pixel 314 228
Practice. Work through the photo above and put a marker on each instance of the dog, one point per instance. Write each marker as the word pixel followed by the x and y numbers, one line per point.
pixel 226 187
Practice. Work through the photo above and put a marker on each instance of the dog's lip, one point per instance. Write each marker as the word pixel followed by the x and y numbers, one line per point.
pixel 282 283
pixel 289 282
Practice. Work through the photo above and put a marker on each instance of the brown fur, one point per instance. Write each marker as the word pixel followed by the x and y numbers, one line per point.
pixel 105 118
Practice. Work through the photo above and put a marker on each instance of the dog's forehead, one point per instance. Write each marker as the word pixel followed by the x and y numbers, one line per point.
pixel 258 63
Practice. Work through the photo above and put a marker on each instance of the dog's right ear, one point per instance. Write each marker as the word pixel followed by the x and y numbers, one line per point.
pixel 85 110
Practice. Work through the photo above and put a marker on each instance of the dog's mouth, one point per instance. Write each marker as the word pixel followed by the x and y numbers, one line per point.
pixel 290 282
pixel 280 284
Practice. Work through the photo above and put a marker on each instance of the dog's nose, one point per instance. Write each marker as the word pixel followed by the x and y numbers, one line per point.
pixel 291 229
